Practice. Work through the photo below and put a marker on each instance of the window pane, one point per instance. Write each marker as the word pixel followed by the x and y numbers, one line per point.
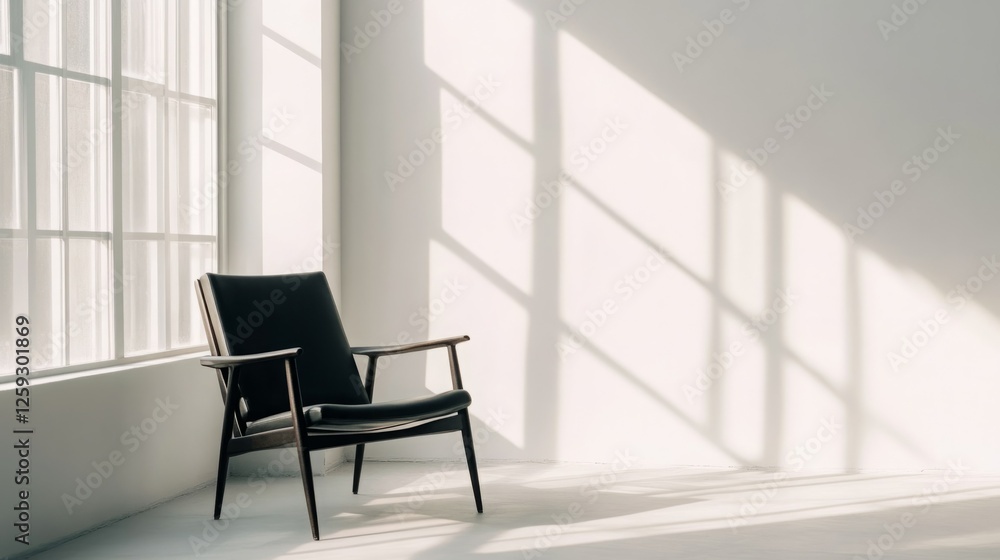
pixel 89 301
pixel 4 25
pixel 42 31
pixel 13 296
pixel 193 184
pixel 48 309
pixel 140 155
pixel 196 64
pixel 145 324
pixel 143 22
pixel 87 133
pixel 170 59
pixel 87 23
pixel 10 206
pixel 48 151
pixel 190 261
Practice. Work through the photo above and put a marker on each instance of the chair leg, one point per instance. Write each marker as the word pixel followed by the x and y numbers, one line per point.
pixel 470 456
pixel 220 481
pixel 305 466
pixel 223 474
pixel 359 457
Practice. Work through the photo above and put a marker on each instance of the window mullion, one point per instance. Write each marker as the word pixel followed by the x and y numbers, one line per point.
pixel 40 68
pixel 172 172
pixel 221 137
pixel 64 178
pixel 163 192
pixel 26 144
pixel 72 234
pixel 117 243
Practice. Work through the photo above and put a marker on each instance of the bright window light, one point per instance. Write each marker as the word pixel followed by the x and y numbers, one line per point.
pixel 104 267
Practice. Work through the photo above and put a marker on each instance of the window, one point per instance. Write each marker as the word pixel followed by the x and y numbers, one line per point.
pixel 107 176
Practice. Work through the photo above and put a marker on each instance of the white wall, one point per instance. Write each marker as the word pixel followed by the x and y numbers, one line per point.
pixel 283 196
pixel 83 435
pixel 703 260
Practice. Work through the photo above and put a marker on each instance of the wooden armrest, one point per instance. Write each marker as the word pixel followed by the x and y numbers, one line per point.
pixel 376 351
pixel 219 362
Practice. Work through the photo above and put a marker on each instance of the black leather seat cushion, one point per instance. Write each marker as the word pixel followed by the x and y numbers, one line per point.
pixel 367 417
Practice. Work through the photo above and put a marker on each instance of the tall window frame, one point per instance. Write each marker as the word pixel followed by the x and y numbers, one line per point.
pixel 117 287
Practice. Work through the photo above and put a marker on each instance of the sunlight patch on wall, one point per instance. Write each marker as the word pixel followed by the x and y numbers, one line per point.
pixel 636 244
pixel 292 209
pixel 816 352
pixel 465 42
pixel 291 99
pixel 288 143
pixel 733 406
pixel 459 297
pixel 925 347
pixel 635 326
pixel 654 409
pixel 814 280
pixel 298 21
pixel 619 293
pixel 645 161
pixel 892 301
pixel 743 237
pixel 482 170
pixel 814 434
pixel 737 399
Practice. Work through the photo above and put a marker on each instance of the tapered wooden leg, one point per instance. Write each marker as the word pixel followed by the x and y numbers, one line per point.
pixel 220 481
pixel 301 443
pixel 227 435
pixel 359 457
pixel 470 456
pixel 305 466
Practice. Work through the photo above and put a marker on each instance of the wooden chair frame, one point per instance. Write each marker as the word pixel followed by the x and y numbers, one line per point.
pixel 235 440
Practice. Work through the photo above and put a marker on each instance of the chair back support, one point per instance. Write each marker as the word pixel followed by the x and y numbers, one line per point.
pixel 253 314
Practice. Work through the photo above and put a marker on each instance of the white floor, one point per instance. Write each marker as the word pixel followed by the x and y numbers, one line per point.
pixel 552 511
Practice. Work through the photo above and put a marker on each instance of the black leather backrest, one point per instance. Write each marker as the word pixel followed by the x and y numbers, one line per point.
pixel 264 313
